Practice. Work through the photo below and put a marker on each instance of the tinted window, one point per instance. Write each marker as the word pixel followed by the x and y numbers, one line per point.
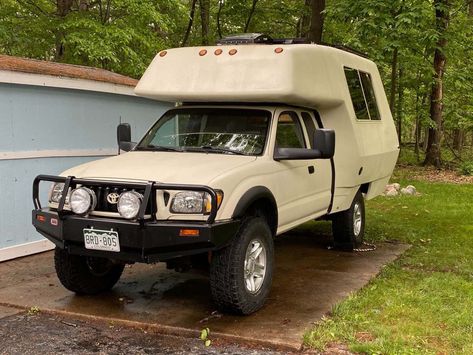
pixel 309 125
pixel 369 95
pixel 289 132
pixel 356 93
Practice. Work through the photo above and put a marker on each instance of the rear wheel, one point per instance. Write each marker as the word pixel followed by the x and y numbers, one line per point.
pixel 85 274
pixel 348 226
pixel 241 274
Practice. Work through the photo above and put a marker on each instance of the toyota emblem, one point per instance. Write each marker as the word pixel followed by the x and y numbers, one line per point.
pixel 112 198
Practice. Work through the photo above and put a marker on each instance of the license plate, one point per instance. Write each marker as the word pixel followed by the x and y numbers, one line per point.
pixel 101 240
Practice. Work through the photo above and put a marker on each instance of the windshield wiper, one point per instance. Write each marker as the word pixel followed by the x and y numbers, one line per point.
pixel 159 148
pixel 208 148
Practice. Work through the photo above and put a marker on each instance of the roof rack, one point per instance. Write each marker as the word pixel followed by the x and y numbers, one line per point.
pixel 346 49
pixel 260 38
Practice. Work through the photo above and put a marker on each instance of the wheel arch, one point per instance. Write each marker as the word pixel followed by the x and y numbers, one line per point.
pixel 257 200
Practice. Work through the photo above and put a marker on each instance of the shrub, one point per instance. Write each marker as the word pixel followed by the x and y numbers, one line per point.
pixel 466 168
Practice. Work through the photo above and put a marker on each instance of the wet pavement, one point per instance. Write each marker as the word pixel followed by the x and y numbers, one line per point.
pixel 31 334
pixel 308 281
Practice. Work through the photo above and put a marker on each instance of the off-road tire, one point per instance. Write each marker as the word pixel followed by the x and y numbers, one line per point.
pixel 343 226
pixel 227 274
pixel 77 276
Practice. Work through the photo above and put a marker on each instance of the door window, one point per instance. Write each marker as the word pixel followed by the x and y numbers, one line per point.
pixel 309 126
pixel 289 131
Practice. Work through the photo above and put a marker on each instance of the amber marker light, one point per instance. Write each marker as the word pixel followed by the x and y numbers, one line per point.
pixel 278 50
pixel 40 218
pixel 218 51
pixel 189 233
pixel 203 52
pixel 232 51
pixel 163 53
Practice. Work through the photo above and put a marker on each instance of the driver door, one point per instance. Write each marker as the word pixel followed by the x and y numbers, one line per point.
pixel 303 185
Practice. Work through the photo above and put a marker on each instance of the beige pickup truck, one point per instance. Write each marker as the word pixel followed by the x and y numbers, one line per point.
pixel 264 137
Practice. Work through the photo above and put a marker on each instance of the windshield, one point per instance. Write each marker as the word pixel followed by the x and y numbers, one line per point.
pixel 214 130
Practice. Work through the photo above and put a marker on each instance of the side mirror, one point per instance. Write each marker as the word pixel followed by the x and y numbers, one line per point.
pixel 324 148
pixel 324 142
pixel 124 137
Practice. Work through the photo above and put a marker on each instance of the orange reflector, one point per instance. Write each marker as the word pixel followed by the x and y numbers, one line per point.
pixel 218 51
pixel 278 50
pixel 163 53
pixel 189 233
pixel 40 218
pixel 203 52
pixel 232 51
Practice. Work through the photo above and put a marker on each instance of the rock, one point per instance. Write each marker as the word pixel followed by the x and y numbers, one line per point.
pixel 394 186
pixel 392 192
pixel 408 190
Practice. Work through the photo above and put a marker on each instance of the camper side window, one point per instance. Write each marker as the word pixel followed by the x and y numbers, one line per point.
pixel 362 94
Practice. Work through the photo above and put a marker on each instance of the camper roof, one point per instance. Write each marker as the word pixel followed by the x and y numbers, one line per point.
pixel 298 74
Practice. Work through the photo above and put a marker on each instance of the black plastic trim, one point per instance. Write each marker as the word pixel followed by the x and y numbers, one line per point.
pixel 252 195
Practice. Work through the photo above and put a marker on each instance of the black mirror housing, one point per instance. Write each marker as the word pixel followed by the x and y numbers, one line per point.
pixel 324 142
pixel 295 154
pixel 124 137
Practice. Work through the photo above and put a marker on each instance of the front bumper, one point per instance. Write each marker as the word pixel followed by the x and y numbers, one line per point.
pixel 144 240
pixel 139 242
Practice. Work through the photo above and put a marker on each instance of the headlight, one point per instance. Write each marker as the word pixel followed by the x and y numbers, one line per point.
pixel 194 202
pixel 82 200
pixel 56 192
pixel 129 204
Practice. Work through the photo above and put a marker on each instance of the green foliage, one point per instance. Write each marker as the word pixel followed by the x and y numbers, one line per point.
pixel 123 38
pixel 420 304
pixel 204 336
pixel 466 168
pixel 124 35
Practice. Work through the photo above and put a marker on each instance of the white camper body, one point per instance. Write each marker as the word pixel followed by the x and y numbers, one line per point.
pixel 304 75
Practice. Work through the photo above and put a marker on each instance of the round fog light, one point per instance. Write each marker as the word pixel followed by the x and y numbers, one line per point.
pixel 82 200
pixel 129 204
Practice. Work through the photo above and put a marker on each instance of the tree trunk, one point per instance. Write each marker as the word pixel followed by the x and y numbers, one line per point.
pixel 304 21
pixel 191 22
pixel 63 7
pixel 394 71
pixel 219 13
pixel 399 106
pixel 458 140
pixel 83 5
pixel 316 21
pixel 204 20
pixel 250 15
pixel 432 155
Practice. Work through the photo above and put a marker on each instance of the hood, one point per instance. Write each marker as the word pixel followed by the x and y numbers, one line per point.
pixel 164 167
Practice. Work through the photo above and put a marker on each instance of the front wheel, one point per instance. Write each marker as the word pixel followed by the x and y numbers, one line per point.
pixel 241 273
pixel 348 227
pixel 85 274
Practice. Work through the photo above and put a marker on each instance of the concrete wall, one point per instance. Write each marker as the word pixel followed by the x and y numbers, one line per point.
pixel 45 130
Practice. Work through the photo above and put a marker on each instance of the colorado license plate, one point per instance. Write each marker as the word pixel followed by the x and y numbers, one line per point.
pixel 101 240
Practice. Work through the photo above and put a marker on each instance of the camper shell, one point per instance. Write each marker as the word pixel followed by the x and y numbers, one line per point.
pixel 286 133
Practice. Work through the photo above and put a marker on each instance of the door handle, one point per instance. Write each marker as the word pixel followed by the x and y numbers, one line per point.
pixel 311 169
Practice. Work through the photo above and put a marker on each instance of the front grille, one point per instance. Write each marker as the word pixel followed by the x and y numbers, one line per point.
pixel 103 205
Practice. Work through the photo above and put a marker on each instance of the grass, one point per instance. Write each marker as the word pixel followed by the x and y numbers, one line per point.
pixel 423 302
